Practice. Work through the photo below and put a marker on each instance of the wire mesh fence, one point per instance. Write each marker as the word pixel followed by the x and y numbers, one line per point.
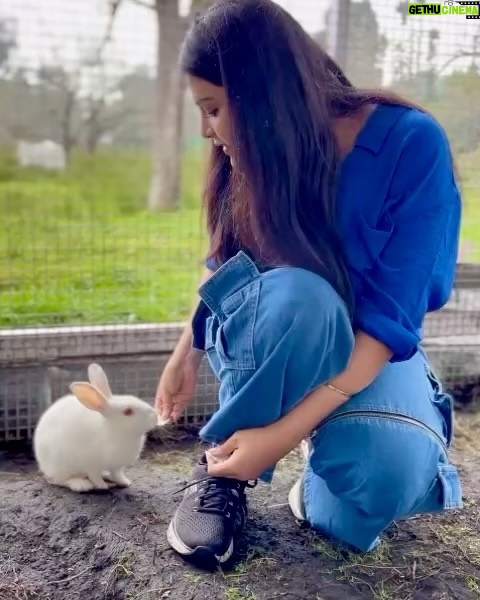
pixel 101 172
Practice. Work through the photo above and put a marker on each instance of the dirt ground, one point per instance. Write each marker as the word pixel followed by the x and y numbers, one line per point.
pixel 56 545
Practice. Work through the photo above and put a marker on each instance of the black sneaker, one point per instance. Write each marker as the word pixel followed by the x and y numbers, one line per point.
pixel 211 516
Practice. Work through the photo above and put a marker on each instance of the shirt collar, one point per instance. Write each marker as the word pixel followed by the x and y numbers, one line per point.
pixel 374 133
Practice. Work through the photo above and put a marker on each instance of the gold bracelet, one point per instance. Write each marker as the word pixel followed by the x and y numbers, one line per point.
pixel 335 389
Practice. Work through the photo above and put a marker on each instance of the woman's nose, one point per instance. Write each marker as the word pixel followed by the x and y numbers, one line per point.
pixel 207 131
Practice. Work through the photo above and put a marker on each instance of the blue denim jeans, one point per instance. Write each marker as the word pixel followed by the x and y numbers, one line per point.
pixel 271 338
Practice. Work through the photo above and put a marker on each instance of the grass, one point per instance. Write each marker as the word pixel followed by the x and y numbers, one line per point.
pixel 428 557
pixel 120 569
pixel 447 550
pixel 79 247
pixel 447 556
pixel 470 186
pixel 235 593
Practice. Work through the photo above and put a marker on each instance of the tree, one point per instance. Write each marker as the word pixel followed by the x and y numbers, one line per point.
pixel 101 106
pixel 84 101
pixel 168 104
pixel 165 182
pixel 418 73
pixel 458 108
pixel 8 43
pixel 365 45
pixel 452 98
pixel 99 116
pixel 64 88
pixel 137 91
pixel 81 98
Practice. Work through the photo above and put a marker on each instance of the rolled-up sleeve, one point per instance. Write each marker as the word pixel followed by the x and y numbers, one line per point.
pixel 414 273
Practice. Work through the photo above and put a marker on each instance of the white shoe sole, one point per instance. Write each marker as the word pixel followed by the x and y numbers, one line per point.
pixel 295 500
pixel 295 495
pixel 203 552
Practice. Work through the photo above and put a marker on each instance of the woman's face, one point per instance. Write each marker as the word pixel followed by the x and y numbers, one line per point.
pixel 213 104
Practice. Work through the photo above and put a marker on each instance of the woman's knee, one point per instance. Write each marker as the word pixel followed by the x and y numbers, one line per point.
pixel 271 342
pixel 300 310
pixel 287 312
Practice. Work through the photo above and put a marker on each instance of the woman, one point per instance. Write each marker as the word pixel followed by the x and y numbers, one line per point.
pixel 333 216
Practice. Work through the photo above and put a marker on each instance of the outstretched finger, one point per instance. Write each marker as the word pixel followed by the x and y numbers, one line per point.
pixel 163 403
pixel 179 402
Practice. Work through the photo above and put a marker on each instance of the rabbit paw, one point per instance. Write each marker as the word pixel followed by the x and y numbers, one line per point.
pixel 79 484
pixel 98 482
pixel 107 477
pixel 120 479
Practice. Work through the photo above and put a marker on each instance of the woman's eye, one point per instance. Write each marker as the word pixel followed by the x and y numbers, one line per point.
pixel 212 113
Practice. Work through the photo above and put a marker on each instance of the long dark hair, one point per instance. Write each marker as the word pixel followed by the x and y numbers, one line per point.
pixel 283 92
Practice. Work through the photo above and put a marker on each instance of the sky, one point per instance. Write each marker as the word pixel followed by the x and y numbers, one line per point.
pixel 61 27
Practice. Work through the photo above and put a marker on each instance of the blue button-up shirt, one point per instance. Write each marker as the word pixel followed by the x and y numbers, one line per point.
pixel 398 215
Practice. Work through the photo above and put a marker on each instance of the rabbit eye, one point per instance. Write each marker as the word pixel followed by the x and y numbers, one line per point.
pixel 128 411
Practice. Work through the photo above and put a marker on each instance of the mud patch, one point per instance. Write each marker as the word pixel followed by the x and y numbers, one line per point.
pixel 56 545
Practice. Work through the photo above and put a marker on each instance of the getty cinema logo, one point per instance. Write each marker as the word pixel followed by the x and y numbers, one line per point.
pixel 471 10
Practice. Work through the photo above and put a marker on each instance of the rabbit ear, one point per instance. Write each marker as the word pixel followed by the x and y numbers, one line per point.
pixel 89 396
pixel 98 378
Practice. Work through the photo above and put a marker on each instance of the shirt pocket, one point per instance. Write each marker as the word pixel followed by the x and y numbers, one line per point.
pixel 368 242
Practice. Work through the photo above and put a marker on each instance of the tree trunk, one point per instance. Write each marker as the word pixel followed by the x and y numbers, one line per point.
pixel 67 135
pixel 93 137
pixel 93 127
pixel 166 151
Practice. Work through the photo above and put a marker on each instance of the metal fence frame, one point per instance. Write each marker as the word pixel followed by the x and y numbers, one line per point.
pixel 37 364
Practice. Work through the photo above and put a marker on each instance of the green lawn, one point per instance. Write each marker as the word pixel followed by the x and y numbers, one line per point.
pixel 79 247
pixel 470 184
pixel 470 238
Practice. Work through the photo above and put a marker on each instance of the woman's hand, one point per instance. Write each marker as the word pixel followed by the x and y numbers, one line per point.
pixel 248 453
pixel 176 387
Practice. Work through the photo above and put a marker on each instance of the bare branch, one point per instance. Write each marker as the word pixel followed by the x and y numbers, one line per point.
pixel 455 57
pixel 114 6
pixel 113 121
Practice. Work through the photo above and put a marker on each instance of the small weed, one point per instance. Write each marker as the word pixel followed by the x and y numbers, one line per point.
pixel 325 549
pixel 234 593
pixel 123 565
pixel 149 594
pixel 193 577
pixel 121 568
pixel 255 560
pixel 473 584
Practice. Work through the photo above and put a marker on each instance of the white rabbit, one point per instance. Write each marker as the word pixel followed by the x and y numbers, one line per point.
pixel 83 441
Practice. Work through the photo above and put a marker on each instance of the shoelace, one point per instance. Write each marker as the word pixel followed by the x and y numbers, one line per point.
pixel 215 495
